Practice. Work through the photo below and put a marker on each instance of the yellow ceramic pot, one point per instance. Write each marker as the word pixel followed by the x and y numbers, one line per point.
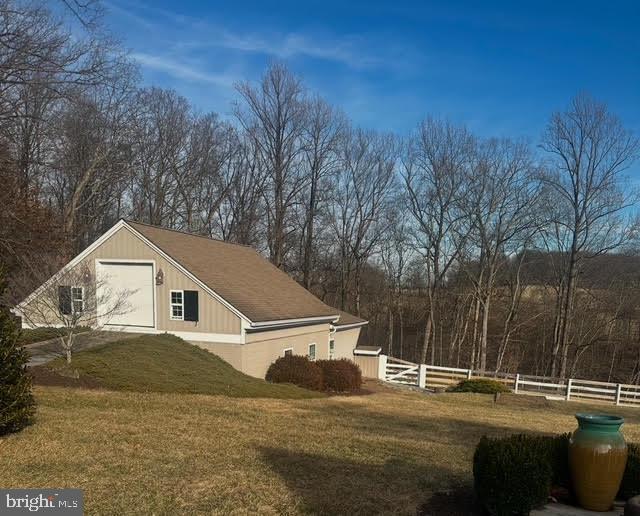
pixel 597 458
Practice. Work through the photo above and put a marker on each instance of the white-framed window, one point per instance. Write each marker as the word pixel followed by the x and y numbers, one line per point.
pixel 312 351
pixel 332 348
pixel 177 305
pixel 287 352
pixel 77 299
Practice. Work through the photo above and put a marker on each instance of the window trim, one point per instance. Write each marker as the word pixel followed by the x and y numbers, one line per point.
pixel 74 300
pixel 315 351
pixel 172 304
pixel 284 351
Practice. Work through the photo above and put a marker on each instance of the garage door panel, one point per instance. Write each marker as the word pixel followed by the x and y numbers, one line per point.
pixel 132 282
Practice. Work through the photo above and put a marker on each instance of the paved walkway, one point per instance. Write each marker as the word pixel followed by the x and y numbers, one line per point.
pixel 48 350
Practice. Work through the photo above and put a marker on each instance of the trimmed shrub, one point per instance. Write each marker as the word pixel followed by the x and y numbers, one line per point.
pixel 480 385
pixel 298 370
pixel 630 485
pixel 513 475
pixel 340 375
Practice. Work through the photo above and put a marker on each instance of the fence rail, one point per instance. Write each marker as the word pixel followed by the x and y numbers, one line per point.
pixel 426 376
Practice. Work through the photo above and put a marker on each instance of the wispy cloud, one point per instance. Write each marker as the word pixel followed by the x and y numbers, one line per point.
pixel 197 34
pixel 181 70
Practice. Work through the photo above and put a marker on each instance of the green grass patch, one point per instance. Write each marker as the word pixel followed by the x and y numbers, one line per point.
pixel 164 363
pixel 30 336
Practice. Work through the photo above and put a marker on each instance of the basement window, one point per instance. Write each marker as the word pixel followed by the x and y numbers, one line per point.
pixel 312 352
pixel 177 305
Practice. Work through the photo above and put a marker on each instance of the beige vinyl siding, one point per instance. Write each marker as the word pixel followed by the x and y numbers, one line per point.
pixel 265 347
pixel 345 342
pixel 214 317
pixel 368 365
pixel 231 353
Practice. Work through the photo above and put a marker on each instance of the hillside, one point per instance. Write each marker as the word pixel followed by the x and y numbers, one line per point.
pixel 164 363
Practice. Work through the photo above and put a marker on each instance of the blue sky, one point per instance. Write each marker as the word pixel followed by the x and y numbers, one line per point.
pixel 499 67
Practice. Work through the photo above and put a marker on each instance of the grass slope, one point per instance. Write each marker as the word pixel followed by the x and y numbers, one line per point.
pixel 386 453
pixel 164 363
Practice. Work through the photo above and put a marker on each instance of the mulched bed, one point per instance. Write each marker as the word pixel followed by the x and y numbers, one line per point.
pixel 42 375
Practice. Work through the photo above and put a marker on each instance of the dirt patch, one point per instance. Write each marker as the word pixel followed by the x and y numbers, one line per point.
pixel 42 375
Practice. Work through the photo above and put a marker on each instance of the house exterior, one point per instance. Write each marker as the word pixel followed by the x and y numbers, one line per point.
pixel 223 297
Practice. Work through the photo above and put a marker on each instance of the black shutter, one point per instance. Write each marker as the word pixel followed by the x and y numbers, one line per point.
pixel 64 300
pixel 191 305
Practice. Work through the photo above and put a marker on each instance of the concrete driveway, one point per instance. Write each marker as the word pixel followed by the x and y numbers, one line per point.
pixel 48 350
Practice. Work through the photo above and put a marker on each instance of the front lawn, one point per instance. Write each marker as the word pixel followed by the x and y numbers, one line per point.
pixel 164 453
pixel 164 363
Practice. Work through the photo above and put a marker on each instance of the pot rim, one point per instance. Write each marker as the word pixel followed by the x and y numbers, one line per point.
pixel 599 419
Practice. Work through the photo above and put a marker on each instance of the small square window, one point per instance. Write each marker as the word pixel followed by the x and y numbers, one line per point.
pixel 312 351
pixel 287 352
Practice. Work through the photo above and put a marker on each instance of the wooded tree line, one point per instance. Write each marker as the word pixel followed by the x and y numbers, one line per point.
pixel 460 250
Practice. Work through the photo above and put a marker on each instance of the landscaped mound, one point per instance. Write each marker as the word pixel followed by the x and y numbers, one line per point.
pixel 298 370
pixel 480 385
pixel 340 375
pixel 164 363
pixel 31 335
pixel 516 474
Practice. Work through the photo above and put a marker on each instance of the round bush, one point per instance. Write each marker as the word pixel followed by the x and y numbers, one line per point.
pixel 511 476
pixel 297 370
pixel 341 375
pixel 480 385
pixel 630 485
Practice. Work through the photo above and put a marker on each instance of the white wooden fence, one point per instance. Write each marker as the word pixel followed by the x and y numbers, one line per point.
pixel 394 370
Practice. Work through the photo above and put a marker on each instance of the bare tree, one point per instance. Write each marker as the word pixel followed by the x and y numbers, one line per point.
pixel 273 115
pixel 75 298
pixel 434 173
pixel 321 137
pixel 589 151
pixel 364 187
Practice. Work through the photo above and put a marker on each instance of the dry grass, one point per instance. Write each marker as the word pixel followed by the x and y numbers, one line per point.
pixel 142 453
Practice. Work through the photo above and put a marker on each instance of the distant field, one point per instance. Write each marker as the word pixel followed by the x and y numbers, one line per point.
pixel 165 453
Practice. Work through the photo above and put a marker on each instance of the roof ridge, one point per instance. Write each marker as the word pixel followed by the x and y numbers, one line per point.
pixel 186 233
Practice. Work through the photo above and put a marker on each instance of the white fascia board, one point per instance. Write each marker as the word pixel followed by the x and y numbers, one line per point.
pixel 349 326
pixel 287 322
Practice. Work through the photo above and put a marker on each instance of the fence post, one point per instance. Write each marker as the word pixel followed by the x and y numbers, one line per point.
pixel 569 382
pixel 469 374
pixel 618 393
pixel 382 367
pixel 517 381
pixel 422 376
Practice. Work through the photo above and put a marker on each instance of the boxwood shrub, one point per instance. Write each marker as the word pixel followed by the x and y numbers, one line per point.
pixel 341 375
pixel 481 385
pixel 511 475
pixel 298 370
pixel 630 485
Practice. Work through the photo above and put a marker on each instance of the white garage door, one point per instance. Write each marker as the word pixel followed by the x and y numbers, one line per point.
pixel 132 282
